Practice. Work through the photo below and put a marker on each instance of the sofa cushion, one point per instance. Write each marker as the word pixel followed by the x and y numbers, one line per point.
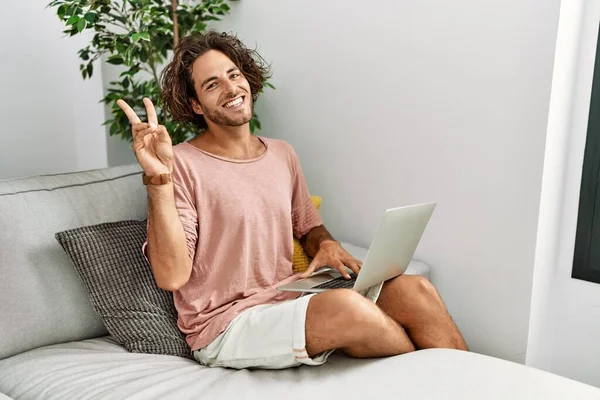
pixel 42 300
pixel 301 260
pixel 137 313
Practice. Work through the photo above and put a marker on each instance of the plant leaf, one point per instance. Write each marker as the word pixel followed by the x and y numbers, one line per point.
pixel 81 24
pixel 199 26
pixel 73 19
pixel 115 59
pixel 61 11
pixel 90 17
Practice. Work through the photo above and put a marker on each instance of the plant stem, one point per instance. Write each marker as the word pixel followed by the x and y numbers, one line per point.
pixel 175 24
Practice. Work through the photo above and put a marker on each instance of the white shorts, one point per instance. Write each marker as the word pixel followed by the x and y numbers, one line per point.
pixel 269 336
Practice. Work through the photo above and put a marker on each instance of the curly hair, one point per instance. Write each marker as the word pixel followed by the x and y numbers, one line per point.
pixel 177 82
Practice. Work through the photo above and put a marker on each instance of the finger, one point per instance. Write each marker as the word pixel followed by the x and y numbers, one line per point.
pixel 341 268
pixel 150 111
pixel 311 268
pixel 145 132
pixel 163 134
pixel 141 126
pixel 138 128
pixel 353 265
pixel 141 139
pixel 131 115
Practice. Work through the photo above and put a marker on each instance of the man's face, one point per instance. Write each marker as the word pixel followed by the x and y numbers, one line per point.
pixel 224 96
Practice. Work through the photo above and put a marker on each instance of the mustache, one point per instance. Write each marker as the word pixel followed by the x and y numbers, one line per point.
pixel 233 96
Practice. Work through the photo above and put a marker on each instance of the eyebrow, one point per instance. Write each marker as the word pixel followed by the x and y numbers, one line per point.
pixel 212 78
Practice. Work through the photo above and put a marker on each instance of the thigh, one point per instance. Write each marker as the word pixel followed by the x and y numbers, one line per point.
pixel 337 317
pixel 268 336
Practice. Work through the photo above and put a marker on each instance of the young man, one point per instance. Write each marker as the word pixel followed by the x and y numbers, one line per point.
pixel 222 209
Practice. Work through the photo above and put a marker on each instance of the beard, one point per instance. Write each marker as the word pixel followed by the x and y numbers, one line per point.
pixel 219 116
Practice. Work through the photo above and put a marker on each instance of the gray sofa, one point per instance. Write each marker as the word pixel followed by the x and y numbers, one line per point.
pixel 54 346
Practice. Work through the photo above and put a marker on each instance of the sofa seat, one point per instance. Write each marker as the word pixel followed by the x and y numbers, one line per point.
pixel 101 369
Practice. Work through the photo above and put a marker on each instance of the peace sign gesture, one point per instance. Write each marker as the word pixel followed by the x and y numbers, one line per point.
pixel 151 142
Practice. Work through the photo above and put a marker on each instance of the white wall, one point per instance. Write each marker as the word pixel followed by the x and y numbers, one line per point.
pixel 390 104
pixel 393 103
pixel 51 119
pixel 565 318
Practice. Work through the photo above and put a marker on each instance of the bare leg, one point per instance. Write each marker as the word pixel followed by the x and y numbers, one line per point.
pixel 343 319
pixel 415 304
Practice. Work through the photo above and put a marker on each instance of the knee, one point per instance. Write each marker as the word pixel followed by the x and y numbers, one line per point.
pixel 416 290
pixel 423 287
pixel 349 300
pixel 354 308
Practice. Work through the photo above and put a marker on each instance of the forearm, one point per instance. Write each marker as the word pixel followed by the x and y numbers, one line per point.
pixel 167 247
pixel 312 241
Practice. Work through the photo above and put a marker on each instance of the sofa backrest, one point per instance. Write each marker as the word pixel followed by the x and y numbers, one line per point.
pixel 42 299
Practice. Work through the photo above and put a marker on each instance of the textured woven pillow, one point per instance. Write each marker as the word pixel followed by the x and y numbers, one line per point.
pixel 138 314
pixel 300 259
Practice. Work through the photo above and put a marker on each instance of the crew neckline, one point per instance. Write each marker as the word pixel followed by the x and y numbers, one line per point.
pixel 235 160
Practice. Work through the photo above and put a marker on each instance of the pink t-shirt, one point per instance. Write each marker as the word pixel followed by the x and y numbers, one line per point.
pixel 239 218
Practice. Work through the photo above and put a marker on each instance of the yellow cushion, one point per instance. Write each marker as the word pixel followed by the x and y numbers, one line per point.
pixel 300 259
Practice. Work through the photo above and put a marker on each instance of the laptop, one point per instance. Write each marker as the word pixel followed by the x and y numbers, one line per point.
pixel 392 249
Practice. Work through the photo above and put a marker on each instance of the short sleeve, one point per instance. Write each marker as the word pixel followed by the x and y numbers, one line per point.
pixel 305 215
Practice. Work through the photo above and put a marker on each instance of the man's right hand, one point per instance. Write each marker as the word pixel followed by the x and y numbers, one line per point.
pixel 151 142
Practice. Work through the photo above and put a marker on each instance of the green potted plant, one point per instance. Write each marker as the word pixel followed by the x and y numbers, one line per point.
pixel 137 35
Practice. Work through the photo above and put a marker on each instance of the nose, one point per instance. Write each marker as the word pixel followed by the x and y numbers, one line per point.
pixel 229 87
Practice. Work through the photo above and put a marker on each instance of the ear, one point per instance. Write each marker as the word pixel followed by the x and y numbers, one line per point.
pixel 196 107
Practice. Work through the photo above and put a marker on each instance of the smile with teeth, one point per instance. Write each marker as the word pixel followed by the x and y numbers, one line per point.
pixel 235 102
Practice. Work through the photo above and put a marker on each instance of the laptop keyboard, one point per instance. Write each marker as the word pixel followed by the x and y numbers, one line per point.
pixel 338 283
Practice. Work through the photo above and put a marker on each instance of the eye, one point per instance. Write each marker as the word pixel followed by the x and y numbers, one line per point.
pixel 212 85
pixel 235 75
